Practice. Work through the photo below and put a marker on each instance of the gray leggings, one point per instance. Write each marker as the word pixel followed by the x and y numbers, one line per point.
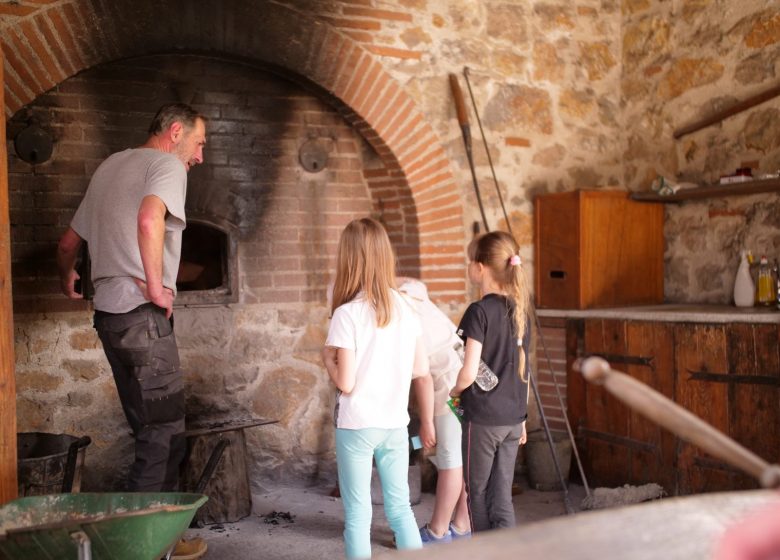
pixel 489 454
pixel 141 349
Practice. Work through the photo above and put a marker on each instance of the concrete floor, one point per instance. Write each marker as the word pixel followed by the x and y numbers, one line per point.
pixel 315 531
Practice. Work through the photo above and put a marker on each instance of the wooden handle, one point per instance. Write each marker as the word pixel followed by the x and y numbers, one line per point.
pixel 460 105
pixel 656 407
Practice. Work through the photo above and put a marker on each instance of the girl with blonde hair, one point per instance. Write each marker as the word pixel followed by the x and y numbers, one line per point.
pixel 495 329
pixel 373 351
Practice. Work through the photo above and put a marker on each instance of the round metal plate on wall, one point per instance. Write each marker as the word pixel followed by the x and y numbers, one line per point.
pixel 33 145
pixel 313 156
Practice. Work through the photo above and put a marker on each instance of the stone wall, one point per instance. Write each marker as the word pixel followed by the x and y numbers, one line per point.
pixel 683 61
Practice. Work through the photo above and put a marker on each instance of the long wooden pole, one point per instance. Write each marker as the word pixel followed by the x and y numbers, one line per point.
pixel 8 483
pixel 729 111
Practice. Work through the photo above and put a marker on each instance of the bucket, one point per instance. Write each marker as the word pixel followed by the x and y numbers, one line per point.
pixel 49 463
pixel 541 468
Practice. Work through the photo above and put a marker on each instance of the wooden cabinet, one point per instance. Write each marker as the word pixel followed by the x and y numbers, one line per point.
pixel 728 374
pixel 597 249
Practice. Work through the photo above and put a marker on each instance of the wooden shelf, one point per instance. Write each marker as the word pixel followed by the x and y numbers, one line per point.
pixel 711 191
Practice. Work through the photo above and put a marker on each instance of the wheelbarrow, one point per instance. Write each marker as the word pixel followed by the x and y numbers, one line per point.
pixel 95 526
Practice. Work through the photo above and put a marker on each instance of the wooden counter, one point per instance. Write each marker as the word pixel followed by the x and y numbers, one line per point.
pixel 673 312
pixel 721 363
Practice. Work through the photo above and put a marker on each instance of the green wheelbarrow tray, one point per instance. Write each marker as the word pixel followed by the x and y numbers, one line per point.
pixel 118 526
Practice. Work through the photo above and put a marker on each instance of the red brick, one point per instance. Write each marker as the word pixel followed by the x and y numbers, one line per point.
pixel 385 102
pixel 74 19
pixel 11 9
pixel 346 70
pixel 378 14
pixel 366 37
pixel 434 167
pixel 17 93
pixel 344 23
pixel 519 142
pixel 396 114
pixel 452 199
pixel 433 193
pixel 443 273
pixel 357 78
pixel 64 33
pixel 362 101
pixel 422 141
pixel 99 40
pixel 441 225
pixel 441 237
pixel 378 172
pixel 45 26
pixel 391 52
pixel 20 67
pixel 332 50
pixel 403 133
pixel 31 34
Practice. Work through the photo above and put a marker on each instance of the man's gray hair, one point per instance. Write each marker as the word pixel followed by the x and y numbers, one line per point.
pixel 171 113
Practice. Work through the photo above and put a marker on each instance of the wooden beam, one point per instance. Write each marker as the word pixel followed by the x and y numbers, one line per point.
pixel 8 483
pixel 729 111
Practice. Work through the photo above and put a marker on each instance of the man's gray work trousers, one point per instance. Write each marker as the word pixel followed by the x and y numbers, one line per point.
pixel 141 349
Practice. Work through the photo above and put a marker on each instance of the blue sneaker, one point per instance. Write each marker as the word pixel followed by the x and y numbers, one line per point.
pixel 455 534
pixel 429 538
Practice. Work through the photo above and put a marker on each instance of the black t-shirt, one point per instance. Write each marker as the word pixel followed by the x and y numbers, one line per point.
pixel 490 321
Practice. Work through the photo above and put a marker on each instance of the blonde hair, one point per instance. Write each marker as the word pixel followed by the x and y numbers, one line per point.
pixel 498 252
pixel 365 262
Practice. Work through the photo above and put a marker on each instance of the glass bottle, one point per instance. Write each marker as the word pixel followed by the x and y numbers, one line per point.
pixel 765 287
pixel 486 379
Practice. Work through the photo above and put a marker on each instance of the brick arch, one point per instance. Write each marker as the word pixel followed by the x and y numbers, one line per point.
pixel 415 183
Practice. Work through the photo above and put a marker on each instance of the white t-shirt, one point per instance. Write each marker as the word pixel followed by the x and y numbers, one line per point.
pixel 440 341
pixel 107 219
pixel 384 359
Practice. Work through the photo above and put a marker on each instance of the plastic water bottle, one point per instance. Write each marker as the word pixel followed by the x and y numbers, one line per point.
pixel 486 379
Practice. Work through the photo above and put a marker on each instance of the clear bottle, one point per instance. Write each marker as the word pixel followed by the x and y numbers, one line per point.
pixel 765 288
pixel 486 379
pixel 744 287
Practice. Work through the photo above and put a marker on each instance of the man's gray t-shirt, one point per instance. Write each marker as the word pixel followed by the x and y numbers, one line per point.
pixel 107 219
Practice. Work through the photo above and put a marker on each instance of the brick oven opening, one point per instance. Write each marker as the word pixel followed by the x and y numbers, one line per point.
pixel 207 271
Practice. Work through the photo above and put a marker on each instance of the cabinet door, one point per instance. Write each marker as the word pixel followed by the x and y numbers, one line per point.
pixel 728 375
pixel 618 445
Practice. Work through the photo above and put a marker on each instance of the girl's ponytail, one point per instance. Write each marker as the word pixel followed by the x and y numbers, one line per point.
pixel 498 251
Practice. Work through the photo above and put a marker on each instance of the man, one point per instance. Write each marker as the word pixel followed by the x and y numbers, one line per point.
pixel 132 218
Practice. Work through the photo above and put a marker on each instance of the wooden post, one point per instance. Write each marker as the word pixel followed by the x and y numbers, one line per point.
pixel 8 483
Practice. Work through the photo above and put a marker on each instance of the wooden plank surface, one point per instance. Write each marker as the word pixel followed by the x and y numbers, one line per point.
pixel 8 487
pixel 656 342
pixel 701 349
pixel 754 402
pixel 607 418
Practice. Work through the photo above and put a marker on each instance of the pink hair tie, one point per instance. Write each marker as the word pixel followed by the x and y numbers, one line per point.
pixel 514 260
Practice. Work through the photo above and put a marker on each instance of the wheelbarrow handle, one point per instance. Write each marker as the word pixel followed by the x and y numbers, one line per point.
pixel 661 410
pixel 70 465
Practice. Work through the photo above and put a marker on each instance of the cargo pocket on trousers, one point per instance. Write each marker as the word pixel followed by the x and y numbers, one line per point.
pixel 162 383
pixel 130 338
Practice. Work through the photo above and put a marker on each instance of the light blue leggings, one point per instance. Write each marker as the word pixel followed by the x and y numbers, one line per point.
pixel 354 451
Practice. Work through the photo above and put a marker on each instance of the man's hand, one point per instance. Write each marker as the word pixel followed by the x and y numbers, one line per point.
pixel 523 436
pixel 67 254
pixel 164 298
pixel 68 285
